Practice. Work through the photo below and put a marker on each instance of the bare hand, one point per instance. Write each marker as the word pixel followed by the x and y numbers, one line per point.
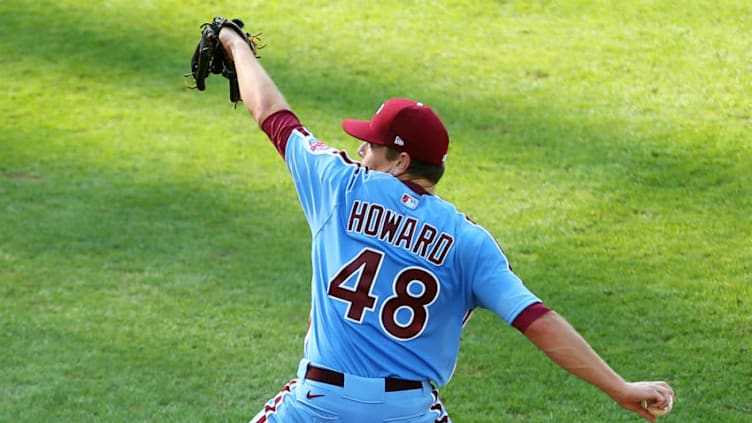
pixel 655 394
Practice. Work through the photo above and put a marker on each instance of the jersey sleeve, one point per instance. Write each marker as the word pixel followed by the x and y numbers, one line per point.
pixel 278 128
pixel 320 174
pixel 494 285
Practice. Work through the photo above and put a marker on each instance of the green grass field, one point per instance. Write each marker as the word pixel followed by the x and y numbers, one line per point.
pixel 154 259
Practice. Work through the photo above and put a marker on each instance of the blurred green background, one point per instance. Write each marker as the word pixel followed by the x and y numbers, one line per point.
pixel 154 259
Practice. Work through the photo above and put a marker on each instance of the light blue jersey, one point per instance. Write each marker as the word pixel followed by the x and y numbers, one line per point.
pixel 396 271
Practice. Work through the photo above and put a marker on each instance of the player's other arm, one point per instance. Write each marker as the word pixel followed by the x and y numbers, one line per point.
pixel 553 335
pixel 260 95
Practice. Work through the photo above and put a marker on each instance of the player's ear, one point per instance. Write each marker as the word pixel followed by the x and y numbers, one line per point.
pixel 401 164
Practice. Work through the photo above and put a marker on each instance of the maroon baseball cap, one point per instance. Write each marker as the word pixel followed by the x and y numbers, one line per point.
pixel 405 125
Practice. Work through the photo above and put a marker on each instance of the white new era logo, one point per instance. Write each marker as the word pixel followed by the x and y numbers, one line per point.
pixel 399 141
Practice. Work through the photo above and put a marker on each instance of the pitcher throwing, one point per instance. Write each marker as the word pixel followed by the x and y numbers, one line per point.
pixel 397 270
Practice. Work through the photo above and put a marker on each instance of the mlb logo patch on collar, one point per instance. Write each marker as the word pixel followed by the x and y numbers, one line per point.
pixel 409 201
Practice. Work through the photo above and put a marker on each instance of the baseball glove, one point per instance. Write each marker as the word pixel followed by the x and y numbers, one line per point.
pixel 210 57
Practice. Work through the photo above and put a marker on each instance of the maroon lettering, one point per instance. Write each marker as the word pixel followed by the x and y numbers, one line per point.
pixel 407 232
pixel 377 221
pixel 358 299
pixel 441 249
pixel 357 216
pixel 416 303
pixel 391 222
pixel 425 238
pixel 374 220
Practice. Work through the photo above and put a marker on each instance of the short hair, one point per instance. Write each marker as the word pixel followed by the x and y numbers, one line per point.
pixel 430 171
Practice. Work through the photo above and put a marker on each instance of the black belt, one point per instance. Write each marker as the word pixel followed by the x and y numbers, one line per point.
pixel 332 377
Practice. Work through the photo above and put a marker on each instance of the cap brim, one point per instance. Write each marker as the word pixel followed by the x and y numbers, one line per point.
pixel 361 129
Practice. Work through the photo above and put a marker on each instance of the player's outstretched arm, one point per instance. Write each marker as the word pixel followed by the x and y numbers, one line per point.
pixel 553 335
pixel 260 95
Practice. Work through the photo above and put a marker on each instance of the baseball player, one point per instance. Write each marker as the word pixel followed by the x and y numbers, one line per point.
pixel 397 270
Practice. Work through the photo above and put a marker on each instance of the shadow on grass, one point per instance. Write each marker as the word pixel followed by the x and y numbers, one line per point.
pixel 100 42
pixel 537 140
pixel 191 236
pixel 534 138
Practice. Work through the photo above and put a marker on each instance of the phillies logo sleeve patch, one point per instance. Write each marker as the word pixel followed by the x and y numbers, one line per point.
pixel 318 147
pixel 313 144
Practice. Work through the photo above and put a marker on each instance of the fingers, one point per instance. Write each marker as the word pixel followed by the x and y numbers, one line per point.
pixel 666 394
pixel 642 395
pixel 637 408
pixel 661 401
pixel 644 413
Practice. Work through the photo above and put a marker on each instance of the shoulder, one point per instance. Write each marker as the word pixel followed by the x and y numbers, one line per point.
pixel 304 147
pixel 477 240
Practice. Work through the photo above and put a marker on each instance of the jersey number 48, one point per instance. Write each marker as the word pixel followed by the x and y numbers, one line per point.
pixel 413 290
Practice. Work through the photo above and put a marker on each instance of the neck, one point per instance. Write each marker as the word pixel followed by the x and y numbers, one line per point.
pixel 424 183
